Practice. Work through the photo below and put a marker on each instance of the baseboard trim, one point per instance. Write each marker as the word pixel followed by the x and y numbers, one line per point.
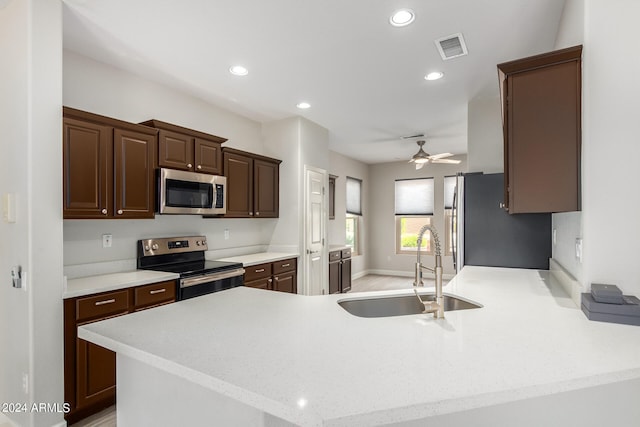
pixel 570 285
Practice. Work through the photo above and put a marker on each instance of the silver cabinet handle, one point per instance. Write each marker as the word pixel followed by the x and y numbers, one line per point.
pixel 120 211
pixel 261 270
pixel 157 291
pixel 199 167
pixel 270 280
pixel 104 211
pixel 257 213
pixel 189 165
pixel 285 265
pixel 276 278
pixel 250 213
pixel 107 301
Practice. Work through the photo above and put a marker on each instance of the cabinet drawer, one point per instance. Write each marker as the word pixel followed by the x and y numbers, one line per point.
pixel 264 283
pixel 102 306
pixel 255 272
pixel 154 294
pixel 346 253
pixel 284 266
pixel 334 256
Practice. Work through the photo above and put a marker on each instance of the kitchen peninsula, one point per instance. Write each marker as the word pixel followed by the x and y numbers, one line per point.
pixel 246 356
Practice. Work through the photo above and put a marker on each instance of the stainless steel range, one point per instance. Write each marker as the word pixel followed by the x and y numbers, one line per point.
pixel 185 256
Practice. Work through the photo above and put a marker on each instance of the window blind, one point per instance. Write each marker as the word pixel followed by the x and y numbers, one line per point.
pixel 449 189
pixel 354 187
pixel 414 196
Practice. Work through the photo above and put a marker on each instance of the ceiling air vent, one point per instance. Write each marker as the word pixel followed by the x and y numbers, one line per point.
pixel 451 46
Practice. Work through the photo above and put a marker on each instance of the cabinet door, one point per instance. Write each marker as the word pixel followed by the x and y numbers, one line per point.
pixel 208 157
pixel 134 174
pixel 239 172
pixel 345 275
pixel 175 150
pixel 95 374
pixel 542 120
pixel 87 169
pixel 285 282
pixel 266 189
pixel 541 109
pixel 334 277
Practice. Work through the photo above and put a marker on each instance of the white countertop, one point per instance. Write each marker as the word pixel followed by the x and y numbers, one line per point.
pixel 259 258
pixel 109 282
pixel 273 350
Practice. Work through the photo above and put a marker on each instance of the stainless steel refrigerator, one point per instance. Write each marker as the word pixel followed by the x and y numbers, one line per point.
pixel 485 234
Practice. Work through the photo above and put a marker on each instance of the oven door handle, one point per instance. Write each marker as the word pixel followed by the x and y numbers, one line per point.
pixel 193 281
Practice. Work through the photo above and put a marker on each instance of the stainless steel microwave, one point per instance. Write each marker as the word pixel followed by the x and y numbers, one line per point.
pixel 182 192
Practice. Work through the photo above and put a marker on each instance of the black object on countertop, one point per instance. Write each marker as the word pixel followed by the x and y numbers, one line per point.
pixel 607 294
pixel 627 313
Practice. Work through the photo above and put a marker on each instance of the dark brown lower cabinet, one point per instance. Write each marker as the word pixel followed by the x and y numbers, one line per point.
pixel 276 276
pixel 90 370
pixel 340 271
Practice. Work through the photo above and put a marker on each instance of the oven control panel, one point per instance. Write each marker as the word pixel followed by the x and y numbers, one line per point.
pixel 171 245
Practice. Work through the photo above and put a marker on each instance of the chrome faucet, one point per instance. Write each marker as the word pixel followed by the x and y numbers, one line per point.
pixel 436 308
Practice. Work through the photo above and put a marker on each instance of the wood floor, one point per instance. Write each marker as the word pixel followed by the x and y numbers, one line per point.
pixel 371 282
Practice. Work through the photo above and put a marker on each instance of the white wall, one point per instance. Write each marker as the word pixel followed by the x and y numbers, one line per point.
pixel 99 88
pixel 610 143
pixel 382 205
pixel 342 167
pixel 485 148
pixel 568 225
pixel 30 167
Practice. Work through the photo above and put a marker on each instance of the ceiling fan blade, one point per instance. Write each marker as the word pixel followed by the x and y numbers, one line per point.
pixel 440 156
pixel 453 162
pixel 419 165
pixel 411 160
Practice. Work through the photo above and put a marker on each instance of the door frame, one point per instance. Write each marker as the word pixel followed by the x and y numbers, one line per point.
pixel 324 254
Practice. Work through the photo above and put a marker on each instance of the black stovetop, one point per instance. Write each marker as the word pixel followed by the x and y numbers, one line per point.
pixel 193 268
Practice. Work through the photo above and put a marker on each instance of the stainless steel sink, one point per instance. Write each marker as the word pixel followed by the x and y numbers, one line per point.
pixel 400 305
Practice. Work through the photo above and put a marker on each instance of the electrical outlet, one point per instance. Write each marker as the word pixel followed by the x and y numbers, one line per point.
pixel 226 234
pixel 106 240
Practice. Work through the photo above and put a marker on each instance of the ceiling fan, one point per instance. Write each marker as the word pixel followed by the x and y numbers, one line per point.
pixel 421 158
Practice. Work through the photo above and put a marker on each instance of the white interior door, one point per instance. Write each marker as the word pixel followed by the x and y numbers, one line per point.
pixel 315 229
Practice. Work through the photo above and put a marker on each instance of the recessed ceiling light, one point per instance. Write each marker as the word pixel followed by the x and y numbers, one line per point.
pixel 303 105
pixel 434 75
pixel 238 70
pixel 402 17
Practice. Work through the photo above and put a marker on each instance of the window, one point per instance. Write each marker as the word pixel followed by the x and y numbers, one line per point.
pixel 413 209
pixel 449 233
pixel 354 212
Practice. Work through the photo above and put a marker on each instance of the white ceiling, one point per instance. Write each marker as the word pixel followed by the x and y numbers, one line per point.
pixel 362 76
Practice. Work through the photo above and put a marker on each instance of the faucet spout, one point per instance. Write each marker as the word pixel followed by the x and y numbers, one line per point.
pixel 438 307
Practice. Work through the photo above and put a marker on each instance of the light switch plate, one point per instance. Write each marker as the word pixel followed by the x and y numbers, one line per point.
pixel 579 249
pixel 9 207
pixel 107 239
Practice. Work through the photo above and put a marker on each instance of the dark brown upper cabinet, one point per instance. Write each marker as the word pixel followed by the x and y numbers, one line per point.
pixel 252 184
pixel 108 167
pixel 187 149
pixel 541 110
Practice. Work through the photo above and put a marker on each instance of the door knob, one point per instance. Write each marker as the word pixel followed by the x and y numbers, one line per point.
pixel 120 212
pixel 104 211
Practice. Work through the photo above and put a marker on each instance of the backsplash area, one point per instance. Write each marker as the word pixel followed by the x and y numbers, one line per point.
pixel 83 238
